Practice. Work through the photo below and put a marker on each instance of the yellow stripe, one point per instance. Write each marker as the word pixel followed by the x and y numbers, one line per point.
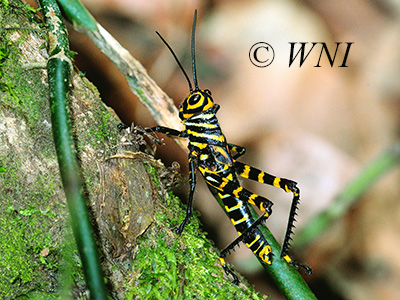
pixel 255 240
pixel 199 145
pixel 239 205
pixel 237 191
pixel 225 181
pixel 219 138
pixel 246 216
pixel 264 254
pixel 205 125
pixel 188 116
pixel 202 170
pixel 261 177
pixel 246 171
pixel 251 199
pixel 277 181
pixel 209 105
pixel 255 251
pixel 287 258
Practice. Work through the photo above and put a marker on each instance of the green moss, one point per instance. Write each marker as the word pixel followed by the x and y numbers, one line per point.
pixel 102 130
pixel 4 53
pixel 28 251
pixel 16 92
pixel 23 250
pixel 154 173
pixel 5 3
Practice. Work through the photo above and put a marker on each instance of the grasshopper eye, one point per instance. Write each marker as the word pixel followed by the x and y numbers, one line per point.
pixel 194 99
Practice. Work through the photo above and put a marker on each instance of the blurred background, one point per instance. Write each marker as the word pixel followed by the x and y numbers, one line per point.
pixel 317 126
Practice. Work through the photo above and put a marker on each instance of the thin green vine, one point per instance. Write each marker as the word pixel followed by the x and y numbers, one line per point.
pixel 59 72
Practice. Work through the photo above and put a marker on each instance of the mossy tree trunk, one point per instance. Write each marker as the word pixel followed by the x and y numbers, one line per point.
pixel 132 209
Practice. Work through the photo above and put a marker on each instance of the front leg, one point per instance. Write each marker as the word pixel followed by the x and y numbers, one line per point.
pixel 167 131
pixel 161 129
pixel 192 182
pixel 192 172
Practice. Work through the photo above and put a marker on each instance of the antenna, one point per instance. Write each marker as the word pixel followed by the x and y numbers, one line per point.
pixel 179 64
pixel 193 52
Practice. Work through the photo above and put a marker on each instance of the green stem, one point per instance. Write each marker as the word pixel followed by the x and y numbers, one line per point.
pixel 348 196
pixel 59 73
pixel 78 14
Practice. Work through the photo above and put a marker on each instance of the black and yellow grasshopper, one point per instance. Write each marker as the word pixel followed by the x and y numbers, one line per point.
pixel 216 159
